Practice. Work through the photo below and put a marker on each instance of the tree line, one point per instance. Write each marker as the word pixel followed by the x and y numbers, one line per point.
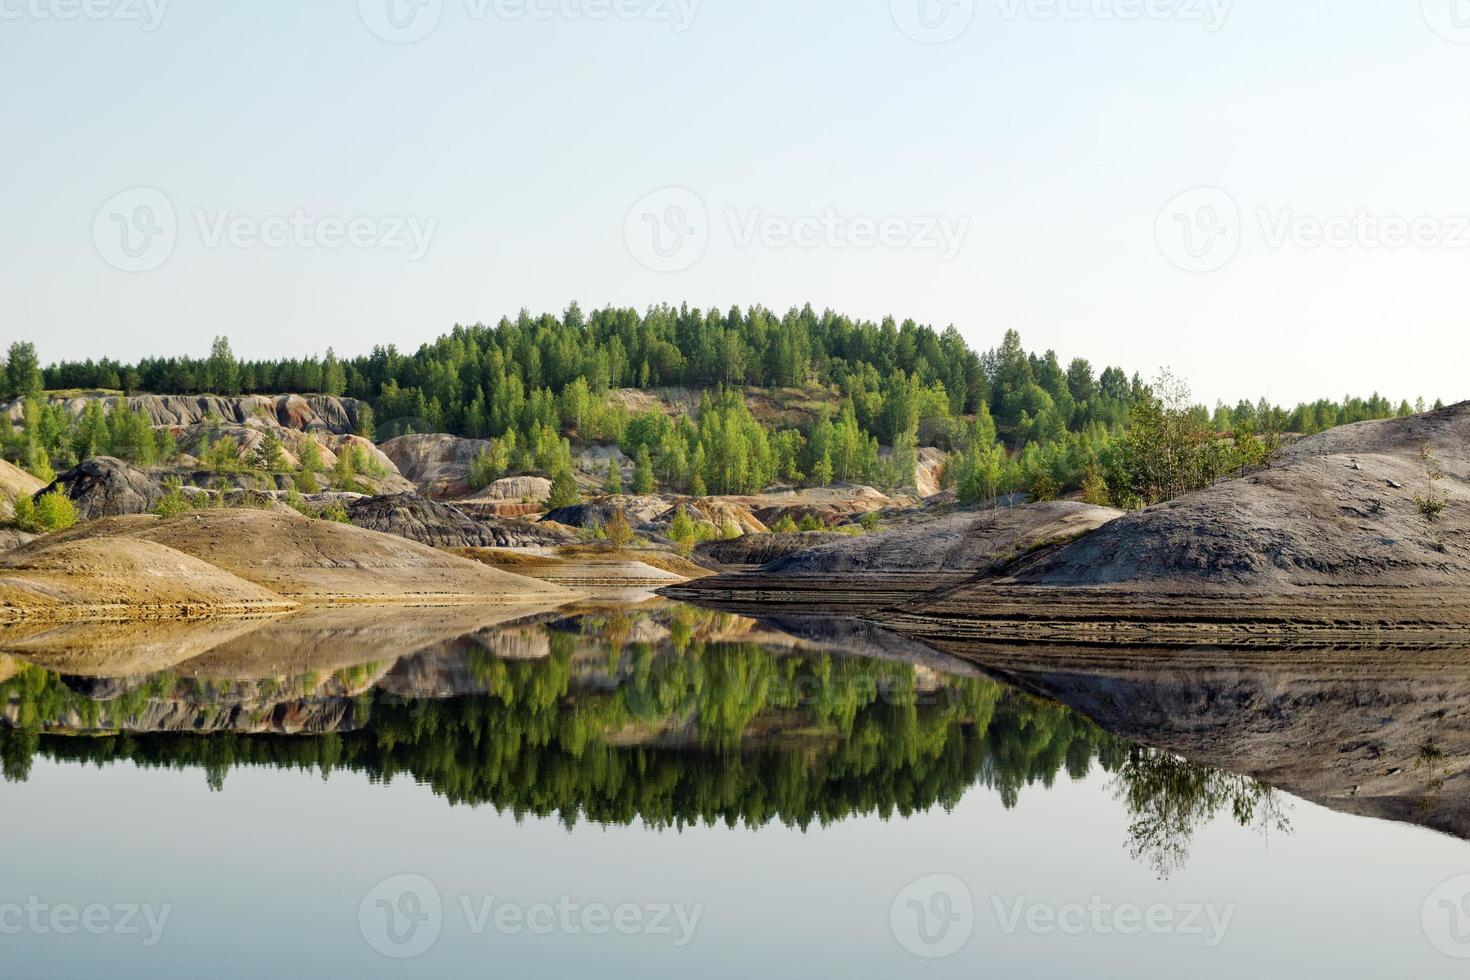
pixel 537 385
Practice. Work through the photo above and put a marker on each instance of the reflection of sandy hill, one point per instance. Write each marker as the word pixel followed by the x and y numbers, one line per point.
pixel 248 648
pixel 1360 730
pixel 118 649
pixel 320 640
pixel 222 561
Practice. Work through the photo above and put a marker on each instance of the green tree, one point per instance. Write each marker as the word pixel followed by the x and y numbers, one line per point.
pixel 619 532
pixel 683 532
pixel 612 484
pixel 643 478
pixel 173 502
pixel 564 492
pixel 222 370
pixel 22 371
pixel 269 457
pixel 334 375
pixel 310 456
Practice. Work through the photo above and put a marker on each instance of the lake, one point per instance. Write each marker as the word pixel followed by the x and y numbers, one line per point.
pixel 661 790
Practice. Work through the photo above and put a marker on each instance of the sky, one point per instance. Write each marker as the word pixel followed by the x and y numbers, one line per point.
pixel 1269 198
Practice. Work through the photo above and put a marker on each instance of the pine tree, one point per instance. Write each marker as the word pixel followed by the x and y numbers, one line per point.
pixel 269 456
pixel 310 456
pixel 22 371
pixel 619 531
pixel 612 485
pixel 564 492
pixel 334 376
pixel 683 532
pixel 643 479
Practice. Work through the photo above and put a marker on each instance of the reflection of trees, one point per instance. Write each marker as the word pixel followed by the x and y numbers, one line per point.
pixel 1168 798
pixel 686 730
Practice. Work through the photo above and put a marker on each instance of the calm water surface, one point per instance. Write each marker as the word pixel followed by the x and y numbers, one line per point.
pixel 652 791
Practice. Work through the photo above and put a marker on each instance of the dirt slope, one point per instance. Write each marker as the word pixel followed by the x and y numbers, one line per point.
pixel 322 561
pixel 75 577
pixel 1329 540
pixel 909 560
pixel 315 562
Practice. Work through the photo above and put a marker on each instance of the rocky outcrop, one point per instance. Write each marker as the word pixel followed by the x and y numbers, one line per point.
pixel 828 506
pixel 718 511
pixel 964 544
pixel 437 464
pixel 531 489
pixel 108 487
pixel 760 549
pixel 641 512
pixel 14 537
pixel 440 525
pixel 305 413
pixel 379 473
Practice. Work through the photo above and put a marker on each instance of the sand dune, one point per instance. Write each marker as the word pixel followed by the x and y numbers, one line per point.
pixel 225 562
pixel 74 577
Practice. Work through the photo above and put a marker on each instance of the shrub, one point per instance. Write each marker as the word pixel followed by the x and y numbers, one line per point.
pixel 52 512
pixel 334 511
pixel 612 485
pixel 1095 489
pixel 619 531
pixel 784 526
pixel 1044 488
pixel 174 503
pixel 683 532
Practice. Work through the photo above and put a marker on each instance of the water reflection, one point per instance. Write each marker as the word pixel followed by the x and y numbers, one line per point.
pixel 664 714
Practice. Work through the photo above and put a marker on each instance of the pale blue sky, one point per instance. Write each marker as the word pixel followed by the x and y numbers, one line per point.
pixel 522 144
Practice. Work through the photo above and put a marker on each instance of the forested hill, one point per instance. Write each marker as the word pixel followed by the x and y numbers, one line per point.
pixel 469 381
pixel 537 385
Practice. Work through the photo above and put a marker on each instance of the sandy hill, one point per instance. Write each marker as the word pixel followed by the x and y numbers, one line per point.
pixel 15 481
pixel 321 561
pixel 231 561
pixel 909 560
pixel 1333 539
pixel 57 577
pixel 1338 509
